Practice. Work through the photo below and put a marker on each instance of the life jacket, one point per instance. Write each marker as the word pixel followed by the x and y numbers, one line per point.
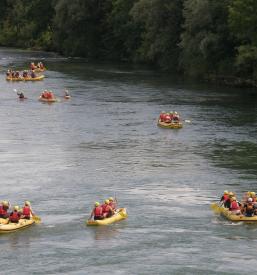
pixel 167 118
pixel 98 212
pixel 106 208
pixel 162 116
pixel 254 199
pixel 234 206
pixel 26 211
pixel 14 216
pixel 3 211
pixel 225 197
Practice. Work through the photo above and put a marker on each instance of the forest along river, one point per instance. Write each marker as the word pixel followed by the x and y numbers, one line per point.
pixel 105 142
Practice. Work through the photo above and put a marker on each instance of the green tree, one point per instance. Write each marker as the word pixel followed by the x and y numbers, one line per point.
pixel 207 46
pixel 243 23
pixel 160 22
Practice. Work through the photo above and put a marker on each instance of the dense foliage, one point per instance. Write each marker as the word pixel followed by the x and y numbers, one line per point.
pixel 196 37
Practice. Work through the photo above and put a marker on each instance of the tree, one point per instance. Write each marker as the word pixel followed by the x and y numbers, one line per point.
pixel 207 46
pixel 160 21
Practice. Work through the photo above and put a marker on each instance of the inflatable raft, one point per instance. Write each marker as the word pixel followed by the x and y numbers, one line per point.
pixel 172 125
pixel 11 227
pixel 121 214
pixel 47 100
pixel 230 216
pixel 40 77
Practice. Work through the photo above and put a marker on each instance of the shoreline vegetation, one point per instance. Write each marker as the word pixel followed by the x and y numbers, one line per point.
pixel 215 41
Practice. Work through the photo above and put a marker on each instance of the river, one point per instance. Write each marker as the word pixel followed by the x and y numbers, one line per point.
pixel 104 142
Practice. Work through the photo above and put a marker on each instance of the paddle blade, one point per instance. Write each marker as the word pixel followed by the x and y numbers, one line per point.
pixel 37 219
pixel 187 121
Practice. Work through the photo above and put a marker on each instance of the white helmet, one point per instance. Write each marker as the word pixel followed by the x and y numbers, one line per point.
pixel 250 200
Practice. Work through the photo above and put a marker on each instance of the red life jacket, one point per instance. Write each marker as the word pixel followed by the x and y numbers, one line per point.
pixel 167 118
pixel 14 216
pixel 225 197
pixel 26 211
pixel 234 206
pixel 162 116
pixel 106 208
pixel 98 212
pixel 254 199
pixel 2 210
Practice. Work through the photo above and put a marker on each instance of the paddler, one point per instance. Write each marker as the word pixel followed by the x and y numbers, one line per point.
pixel 224 197
pixel 15 215
pixel 235 206
pixel 113 203
pixel 4 210
pixel 107 209
pixel 162 115
pixel 27 211
pixel 97 212
pixel 229 200
pixel 249 209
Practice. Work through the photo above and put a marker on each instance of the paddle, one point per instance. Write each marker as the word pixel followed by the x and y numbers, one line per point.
pixel 187 121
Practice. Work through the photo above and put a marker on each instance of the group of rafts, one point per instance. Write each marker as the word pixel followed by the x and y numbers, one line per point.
pixel 23 217
pixel 230 208
pixel 30 75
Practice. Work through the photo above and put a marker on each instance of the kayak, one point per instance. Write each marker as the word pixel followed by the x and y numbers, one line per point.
pixel 48 100
pixel 172 125
pixel 11 227
pixel 40 77
pixel 121 214
pixel 230 216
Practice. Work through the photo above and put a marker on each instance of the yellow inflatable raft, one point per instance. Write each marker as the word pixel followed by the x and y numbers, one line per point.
pixel 11 227
pixel 40 77
pixel 121 214
pixel 172 125
pixel 230 216
pixel 47 100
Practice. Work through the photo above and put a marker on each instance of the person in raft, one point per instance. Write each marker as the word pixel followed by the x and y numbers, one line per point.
pixel 113 203
pixel 235 206
pixel 15 215
pixel 4 210
pixel 224 197
pixel 175 117
pixel 32 66
pixel 97 212
pixel 27 211
pixel 107 209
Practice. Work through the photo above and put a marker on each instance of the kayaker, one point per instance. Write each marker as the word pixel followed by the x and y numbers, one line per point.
pixel 107 209
pixel 248 209
pixel 97 212
pixel 224 197
pixel 15 215
pixel 4 210
pixel 27 211
pixel 235 206
pixel 113 203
